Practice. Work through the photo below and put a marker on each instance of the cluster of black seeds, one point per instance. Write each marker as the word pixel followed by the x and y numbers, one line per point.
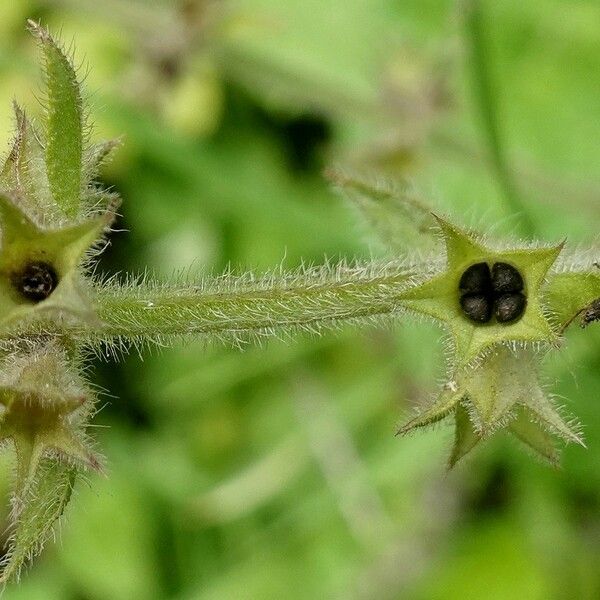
pixel 36 281
pixel 485 293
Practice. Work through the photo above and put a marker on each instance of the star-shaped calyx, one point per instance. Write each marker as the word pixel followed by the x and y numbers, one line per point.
pixel 44 406
pixel 40 267
pixel 502 391
pixel 486 296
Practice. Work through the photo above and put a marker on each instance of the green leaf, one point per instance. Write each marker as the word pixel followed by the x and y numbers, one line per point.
pixel 63 124
pixel 392 210
pixel 36 513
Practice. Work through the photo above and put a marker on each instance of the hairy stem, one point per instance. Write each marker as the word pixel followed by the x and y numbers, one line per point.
pixel 264 306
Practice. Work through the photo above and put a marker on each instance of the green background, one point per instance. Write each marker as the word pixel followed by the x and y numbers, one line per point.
pixel 274 472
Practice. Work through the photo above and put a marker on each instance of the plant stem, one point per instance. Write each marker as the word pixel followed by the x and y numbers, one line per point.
pixel 262 307
pixel 486 94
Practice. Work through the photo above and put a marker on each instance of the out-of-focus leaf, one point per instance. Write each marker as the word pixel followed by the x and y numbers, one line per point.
pixel 306 53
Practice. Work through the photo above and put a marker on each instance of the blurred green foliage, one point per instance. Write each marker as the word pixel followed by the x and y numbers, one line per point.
pixel 274 472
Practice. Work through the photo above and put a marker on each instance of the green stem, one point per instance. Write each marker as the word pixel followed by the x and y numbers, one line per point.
pixel 260 308
pixel 486 95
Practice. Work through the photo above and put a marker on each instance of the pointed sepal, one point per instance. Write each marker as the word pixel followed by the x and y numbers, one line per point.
pixel 542 410
pixel 501 391
pixel 525 428
pixel 24 172
pixel 438 410
pixel 465 436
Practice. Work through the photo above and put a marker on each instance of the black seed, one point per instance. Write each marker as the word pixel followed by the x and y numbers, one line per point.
pixel 477 307
pixel 510 307
pixel 476 279
pixel 36 282
pixel 506 279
